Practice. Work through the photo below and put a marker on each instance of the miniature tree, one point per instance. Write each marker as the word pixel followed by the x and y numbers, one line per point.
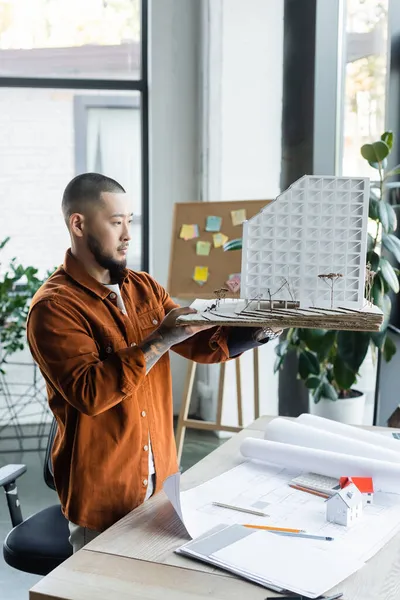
pixel 220 294
pixel 330 279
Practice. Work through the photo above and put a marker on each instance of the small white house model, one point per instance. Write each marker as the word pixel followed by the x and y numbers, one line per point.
pixel 345 507
pixel 314 229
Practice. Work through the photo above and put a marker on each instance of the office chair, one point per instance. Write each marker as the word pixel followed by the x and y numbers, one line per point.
pixel 40 543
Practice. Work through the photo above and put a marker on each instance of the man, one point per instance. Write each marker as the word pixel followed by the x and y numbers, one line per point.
pixel 100 334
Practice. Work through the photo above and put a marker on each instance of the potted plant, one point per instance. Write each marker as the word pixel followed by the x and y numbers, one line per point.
pixel 329 361
pixel 17 286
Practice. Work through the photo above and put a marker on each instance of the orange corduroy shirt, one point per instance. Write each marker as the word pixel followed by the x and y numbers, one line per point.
pixel 104 403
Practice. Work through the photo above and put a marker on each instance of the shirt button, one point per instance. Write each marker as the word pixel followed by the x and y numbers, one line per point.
pixel 133 344
pixel 113 296
pixel 145 482
pixel 108 349
pixel 155 322
pixel 145 448
pixel 143 413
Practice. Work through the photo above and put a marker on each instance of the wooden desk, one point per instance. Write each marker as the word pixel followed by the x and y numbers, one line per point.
pixel 135 559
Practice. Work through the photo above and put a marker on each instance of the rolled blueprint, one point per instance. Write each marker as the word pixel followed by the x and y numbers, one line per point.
pixel 386 475
pixel 357 433
pixel 297 434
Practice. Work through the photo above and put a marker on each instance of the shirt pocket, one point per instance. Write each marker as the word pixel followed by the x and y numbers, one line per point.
pixel 112 339
pixel 149 320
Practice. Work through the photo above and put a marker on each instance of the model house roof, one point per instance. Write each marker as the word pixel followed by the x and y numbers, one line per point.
pixel 364 484
pixel 314 229
pixel 350 495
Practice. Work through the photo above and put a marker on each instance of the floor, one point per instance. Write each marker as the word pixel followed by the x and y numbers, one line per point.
pixel 35 495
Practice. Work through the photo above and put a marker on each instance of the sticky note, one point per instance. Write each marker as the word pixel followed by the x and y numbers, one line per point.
pixel 213 223
pixel 233 282
pixel 200 275
pixel 219 239
pixel 203 248
pixel 189 232
pixel 238 216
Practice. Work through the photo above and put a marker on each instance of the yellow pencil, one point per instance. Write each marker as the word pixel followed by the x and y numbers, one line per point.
pixel 269 528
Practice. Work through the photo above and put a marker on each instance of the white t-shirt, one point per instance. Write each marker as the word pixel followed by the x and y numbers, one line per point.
pixel 120 303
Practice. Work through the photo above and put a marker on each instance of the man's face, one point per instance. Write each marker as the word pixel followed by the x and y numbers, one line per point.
pixel 108 231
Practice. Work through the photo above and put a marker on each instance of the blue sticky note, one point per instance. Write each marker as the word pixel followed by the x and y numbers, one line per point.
pixel 213 223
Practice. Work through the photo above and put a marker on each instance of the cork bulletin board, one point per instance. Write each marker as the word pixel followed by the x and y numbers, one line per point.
pixel 219 265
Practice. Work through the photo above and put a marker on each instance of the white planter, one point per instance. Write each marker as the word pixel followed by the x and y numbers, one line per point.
pixel 348 410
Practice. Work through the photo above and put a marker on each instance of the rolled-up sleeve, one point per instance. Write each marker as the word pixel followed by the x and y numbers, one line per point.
pixel 68 357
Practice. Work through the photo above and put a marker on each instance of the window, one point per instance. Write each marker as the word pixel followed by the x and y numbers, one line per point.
pixel 366 25
pixel 78 115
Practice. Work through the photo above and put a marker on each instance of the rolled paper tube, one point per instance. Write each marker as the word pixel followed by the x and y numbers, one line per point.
pixel 386 475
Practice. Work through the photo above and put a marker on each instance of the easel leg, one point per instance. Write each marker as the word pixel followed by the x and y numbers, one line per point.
pixel 256 376
pixel 183 413
pixel 239 392
pixel 220 393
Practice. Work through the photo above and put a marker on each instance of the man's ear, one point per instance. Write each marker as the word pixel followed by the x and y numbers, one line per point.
pixel 77 224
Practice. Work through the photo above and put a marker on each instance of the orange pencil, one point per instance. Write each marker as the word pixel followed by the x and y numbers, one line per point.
pixel 302 489
pixel 269 528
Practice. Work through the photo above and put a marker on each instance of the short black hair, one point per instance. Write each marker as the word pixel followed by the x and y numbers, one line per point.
pixel 85 190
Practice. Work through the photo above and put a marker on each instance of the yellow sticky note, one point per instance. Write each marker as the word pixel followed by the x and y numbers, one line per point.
pixel 200 275
pixel 188 232
pixel 219 239
pixel 238 216
pixel 203 248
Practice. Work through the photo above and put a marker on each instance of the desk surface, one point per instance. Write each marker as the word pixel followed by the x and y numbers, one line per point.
pixel 135 558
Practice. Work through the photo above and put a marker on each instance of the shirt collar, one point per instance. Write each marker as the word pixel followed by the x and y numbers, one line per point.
pixel 75 269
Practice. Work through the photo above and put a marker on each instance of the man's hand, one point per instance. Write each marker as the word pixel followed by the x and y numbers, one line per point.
pixel 173 333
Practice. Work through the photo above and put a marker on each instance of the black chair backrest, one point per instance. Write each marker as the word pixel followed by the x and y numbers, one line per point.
pixel 48 466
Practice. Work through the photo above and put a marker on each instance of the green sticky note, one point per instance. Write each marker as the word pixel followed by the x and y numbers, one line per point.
pixel 203 248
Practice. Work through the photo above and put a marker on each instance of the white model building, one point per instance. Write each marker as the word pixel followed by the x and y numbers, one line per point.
pixel 345 507
pixel 316 227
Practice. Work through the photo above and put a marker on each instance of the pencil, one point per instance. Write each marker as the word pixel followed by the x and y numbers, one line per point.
pixel 279 529
pixel 306 535
pixel 302 489
pixel 240 509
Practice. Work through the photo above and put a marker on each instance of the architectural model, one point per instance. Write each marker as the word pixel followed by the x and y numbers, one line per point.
pixel 345 507
pixel 308 246
pixel 303 262
pixel 364 484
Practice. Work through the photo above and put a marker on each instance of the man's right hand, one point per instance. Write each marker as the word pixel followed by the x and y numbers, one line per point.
pixel 174 333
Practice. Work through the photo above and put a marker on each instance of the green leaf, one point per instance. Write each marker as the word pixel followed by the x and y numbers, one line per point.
pixel 282 348
pixel 4 242
pixel 378 338
pixel 383 215
pixel 373 258
pixel 373 211
pixel 389 274
pixel 308 364
pixel 344 376
pixel 367 152
pixel 387 137
pixel 392 243
pixel 375 152
pixel 312 382
pixel 328 391
pixel 278 363
pixel 389 349
pixel 352 347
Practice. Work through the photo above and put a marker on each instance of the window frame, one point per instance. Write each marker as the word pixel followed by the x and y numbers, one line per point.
pixel 137 85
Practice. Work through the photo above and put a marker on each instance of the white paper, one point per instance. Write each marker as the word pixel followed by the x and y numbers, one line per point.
pixel 172 489
pixel 289 562
pixel 356 433
pixel 293 432
pixel 386 475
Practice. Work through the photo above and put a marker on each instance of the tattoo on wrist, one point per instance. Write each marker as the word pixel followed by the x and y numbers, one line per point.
pixel 153 349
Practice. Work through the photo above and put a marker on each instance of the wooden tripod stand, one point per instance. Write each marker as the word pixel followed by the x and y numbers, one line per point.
pixel 184 422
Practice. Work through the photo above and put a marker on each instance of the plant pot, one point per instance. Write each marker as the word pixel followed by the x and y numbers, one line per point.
pixel 345 410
